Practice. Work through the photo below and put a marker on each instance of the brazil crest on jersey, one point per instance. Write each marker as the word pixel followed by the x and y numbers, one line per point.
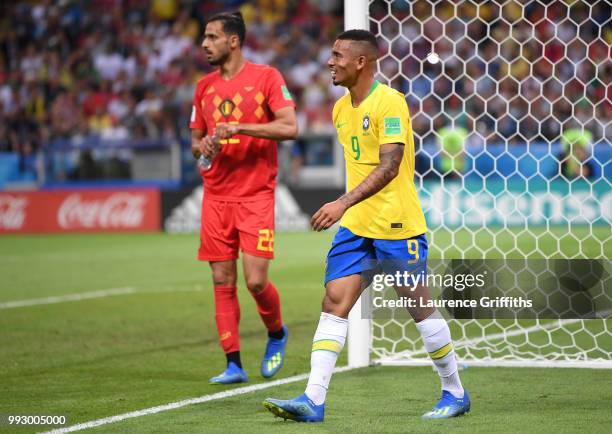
pixel 382 117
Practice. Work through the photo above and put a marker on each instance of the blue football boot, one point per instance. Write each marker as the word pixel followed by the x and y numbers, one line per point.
pixel 233 374
pixel 449 406
pixel 300 409
pixel 274 356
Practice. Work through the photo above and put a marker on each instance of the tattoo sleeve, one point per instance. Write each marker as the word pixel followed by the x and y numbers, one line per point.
pixel 390 158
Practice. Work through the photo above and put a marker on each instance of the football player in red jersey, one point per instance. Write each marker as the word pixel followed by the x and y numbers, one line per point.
pixel 249 108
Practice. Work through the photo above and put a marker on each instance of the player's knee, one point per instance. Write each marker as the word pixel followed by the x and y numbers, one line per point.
pixel 327 305
pixel 224 277
pixel 224 281
pixel 256 285
pixel 333 306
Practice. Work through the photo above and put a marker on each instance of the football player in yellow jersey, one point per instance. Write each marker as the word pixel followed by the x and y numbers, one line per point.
pixel 380 220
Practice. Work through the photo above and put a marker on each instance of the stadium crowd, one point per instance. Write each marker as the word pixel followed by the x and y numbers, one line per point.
pixel 116 69
pixel 523 72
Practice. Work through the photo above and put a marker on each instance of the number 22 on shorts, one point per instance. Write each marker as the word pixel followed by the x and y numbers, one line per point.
pixel 265 243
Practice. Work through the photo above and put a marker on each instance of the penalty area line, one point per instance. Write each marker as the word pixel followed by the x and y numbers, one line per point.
pixel 186 402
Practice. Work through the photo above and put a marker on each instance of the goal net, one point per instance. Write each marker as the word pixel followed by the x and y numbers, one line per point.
pixel 511 107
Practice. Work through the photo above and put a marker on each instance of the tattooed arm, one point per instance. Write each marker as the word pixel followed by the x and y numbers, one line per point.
pixel 390 158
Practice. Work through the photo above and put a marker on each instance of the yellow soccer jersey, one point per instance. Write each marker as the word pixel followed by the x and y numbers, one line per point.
pixel 394 212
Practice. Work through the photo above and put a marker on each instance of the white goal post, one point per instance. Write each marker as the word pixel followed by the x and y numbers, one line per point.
pixel 513 77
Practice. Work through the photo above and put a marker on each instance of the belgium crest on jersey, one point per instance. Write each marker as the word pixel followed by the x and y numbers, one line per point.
pixel 226 107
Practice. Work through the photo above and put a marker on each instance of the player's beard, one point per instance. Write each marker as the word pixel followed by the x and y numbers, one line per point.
pixel 345 79
pixel 335 80
pixel 340 78
pixel 220 59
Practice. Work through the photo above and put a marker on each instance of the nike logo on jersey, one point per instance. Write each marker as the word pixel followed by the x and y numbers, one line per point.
pixel 340 125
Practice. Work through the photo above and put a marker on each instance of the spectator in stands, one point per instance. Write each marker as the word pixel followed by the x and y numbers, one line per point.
pixel 575 161
pixel 109 63
pixel 65 114
pixel 452 156
pixel 5 142
pixel 99 121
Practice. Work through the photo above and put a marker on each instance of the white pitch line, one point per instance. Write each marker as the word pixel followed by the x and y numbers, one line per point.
pixel 186 402
pixel 69 297
pixel 88 296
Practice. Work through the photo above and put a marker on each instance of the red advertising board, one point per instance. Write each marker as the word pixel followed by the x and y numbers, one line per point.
pixel 123 210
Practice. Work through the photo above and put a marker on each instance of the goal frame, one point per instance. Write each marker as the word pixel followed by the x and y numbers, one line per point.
pixel 359 339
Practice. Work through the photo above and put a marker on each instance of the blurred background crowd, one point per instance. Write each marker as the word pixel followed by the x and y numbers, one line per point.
pixel 113 69
pixel 78 71
pixel 521 72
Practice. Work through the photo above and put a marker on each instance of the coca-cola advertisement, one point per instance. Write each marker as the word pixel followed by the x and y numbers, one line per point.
pixel 80 210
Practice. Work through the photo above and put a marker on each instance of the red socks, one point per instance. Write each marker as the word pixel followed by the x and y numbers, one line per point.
pixel 228 316
pixel 268 306
pixel 228 313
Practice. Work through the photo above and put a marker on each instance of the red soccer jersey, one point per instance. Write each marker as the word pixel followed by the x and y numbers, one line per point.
pixel 246 166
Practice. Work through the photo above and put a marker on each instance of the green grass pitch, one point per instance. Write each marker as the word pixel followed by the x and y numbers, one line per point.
pixel 106 356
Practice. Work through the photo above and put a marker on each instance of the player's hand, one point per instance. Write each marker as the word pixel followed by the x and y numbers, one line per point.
pixel 327 215
pixel 225 131
pixel 210 147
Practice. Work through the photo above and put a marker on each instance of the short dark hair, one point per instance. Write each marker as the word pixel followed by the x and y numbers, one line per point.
pixel 360 36
pixel 233 24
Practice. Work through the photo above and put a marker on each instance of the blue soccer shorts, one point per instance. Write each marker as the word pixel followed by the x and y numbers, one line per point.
pixel 353 254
